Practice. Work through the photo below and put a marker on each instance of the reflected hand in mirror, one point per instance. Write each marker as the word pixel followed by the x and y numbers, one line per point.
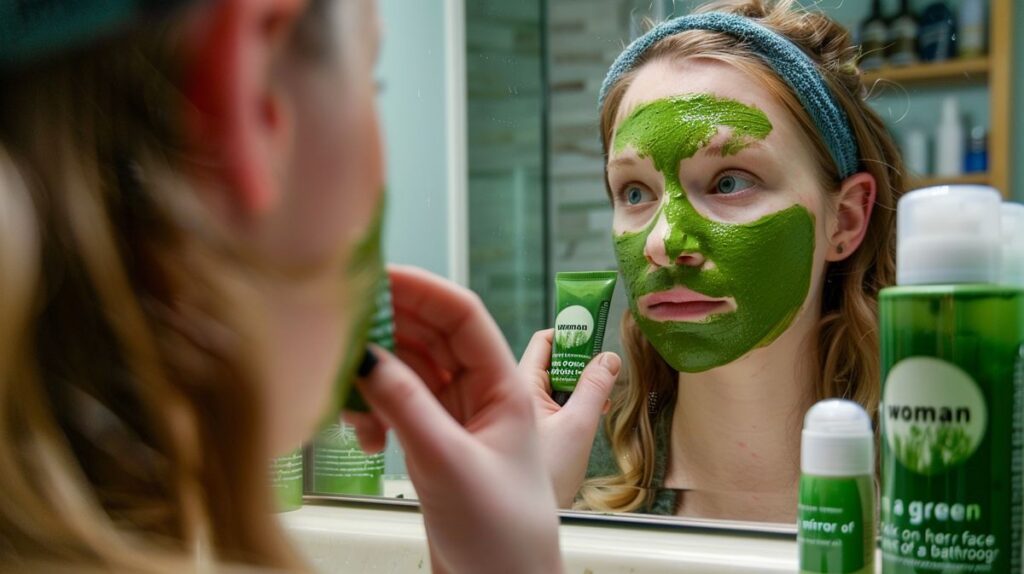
pixel 567 433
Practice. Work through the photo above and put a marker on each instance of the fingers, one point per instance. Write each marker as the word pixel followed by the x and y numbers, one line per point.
pixel 405 403
pixel 410 331
pixel 454 314
pixel 591 395
pixel 417 357
pixel 370 431
pixel 454 325
pixel 537 359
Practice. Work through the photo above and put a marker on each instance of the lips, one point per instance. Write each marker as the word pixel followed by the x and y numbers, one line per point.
pixel 682 304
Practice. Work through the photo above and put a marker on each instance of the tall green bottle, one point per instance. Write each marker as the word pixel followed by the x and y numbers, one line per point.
pixel 951 337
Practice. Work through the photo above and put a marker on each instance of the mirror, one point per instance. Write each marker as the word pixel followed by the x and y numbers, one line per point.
pixel 528 199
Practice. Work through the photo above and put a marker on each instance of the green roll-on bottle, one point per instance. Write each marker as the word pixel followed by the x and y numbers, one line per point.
pixel 951 338
pixel 836 504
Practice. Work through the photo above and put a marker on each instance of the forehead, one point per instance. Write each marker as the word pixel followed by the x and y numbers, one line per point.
pixel 665 78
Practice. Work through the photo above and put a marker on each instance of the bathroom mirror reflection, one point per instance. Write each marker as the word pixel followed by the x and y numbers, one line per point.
pixel 749 254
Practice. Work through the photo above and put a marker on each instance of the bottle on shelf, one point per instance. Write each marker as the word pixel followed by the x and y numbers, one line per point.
pixel 937 33
pixel 903 37
pixel 971 39
pixel 874 35
pixel 915 152
pixel 949 140
pixel 976 159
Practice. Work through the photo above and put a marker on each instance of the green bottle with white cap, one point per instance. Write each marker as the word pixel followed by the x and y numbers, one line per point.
pixel 951 336
pixel 836 509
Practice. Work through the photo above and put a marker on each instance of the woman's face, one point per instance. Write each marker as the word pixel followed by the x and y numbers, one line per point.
pixel 323 225
pixel 719 219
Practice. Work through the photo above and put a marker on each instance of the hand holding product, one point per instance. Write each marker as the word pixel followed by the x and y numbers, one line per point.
pixel 567 432
pixel 464 418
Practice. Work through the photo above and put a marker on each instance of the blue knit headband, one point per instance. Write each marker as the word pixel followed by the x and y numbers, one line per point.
pixel 33 30
pixel 788 61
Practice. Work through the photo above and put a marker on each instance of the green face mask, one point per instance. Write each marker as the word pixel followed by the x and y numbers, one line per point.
pixel 765 266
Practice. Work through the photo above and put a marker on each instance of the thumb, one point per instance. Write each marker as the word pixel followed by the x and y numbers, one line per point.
pixel 536 360
pixel 594 387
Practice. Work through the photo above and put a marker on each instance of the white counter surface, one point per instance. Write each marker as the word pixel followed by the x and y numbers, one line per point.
pixel 352 537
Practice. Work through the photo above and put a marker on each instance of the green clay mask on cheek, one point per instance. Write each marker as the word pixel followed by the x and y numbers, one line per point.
pixel 764 266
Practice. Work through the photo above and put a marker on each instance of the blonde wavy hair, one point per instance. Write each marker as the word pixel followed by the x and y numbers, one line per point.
pixel 130 431
pixel 847 334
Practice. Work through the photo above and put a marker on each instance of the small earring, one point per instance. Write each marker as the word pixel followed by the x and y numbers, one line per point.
pixel 840 249
pixel 652 402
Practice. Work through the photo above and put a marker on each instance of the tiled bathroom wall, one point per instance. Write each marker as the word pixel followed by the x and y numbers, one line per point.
pixel 504 68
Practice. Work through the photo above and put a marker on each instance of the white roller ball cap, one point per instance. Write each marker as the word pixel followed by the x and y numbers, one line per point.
pixel 837 440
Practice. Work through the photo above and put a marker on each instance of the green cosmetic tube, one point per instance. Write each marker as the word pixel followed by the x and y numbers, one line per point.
pixel 951 412
pixel 836 508
pixel 583 300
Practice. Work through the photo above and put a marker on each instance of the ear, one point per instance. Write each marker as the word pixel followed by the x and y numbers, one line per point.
pixel 238 118
pixel 854 205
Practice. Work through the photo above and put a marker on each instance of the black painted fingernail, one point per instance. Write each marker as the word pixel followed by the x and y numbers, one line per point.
pixel 368 363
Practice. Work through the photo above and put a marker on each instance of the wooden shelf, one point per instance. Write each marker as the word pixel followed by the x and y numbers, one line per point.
pixel 965 179
pixel 965 71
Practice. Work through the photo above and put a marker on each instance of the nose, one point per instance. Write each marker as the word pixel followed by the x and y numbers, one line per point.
pixel 667 246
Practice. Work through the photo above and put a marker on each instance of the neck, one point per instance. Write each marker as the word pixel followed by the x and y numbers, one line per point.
pixel 736 429
pixel 307 325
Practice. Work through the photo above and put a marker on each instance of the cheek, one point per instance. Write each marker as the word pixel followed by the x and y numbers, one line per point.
pixel 824 220
pixel 336 180
pixel 634 220
pixel 632 261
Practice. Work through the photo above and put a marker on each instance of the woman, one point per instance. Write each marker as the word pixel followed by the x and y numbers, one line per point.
pixel 753 193
pixel 189 227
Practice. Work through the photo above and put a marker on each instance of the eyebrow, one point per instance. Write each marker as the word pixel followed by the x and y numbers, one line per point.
pixel 719 149
pixel 708 150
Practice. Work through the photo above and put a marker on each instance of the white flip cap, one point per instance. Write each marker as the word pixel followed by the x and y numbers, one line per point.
pixel 949 234
pixel 837 440
pixel 1013 244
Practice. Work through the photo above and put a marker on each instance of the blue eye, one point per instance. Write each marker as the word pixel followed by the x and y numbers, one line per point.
pixel 730 184
pixel 636 194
